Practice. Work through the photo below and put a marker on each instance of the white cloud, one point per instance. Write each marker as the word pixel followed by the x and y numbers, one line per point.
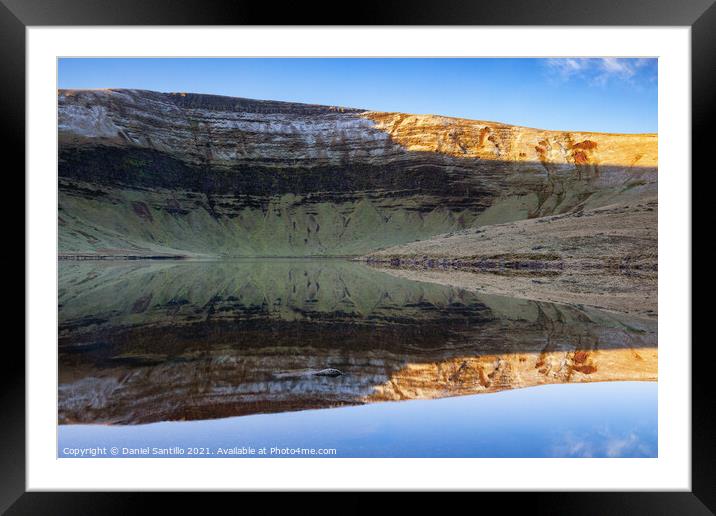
pixel 601 442
pixel 600 71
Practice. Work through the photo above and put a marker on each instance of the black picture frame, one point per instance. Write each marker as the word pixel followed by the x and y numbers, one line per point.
pixel 17 15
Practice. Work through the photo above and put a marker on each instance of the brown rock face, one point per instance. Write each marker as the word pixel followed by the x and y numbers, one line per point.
pixel 153 173
pixel 499 142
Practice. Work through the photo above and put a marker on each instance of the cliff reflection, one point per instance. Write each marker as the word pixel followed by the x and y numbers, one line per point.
pixel 155 341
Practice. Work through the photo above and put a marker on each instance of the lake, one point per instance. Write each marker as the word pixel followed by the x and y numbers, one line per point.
pixel 329 354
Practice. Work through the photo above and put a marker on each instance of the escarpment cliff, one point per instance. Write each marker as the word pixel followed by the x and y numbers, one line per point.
pixel 146 173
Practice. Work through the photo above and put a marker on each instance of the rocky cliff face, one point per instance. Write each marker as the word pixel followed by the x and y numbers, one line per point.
pixel 153 173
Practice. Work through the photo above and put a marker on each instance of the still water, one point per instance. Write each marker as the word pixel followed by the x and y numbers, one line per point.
pixel 230 357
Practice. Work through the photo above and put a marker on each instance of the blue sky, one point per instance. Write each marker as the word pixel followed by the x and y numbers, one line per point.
pixel 606 94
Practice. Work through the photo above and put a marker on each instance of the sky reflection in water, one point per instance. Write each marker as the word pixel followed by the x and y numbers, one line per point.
pixel 616 419
pixel 169 354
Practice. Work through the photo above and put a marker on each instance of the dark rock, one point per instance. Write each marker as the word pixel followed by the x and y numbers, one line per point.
pixel 329 372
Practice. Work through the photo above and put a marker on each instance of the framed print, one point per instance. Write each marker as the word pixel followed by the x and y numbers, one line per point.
pixel 441 249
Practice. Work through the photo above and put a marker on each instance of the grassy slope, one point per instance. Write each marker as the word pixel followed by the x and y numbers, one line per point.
pixel 109 224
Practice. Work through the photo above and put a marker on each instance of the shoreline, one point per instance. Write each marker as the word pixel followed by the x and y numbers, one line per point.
pixel 108 257
pixel 117 257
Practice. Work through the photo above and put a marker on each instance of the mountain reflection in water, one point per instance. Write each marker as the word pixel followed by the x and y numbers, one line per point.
pixel 143 342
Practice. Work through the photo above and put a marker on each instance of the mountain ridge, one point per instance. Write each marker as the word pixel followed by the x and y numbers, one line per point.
pixel 146 173
pixel 331 107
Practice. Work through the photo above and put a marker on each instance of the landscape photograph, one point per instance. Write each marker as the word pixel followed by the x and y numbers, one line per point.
pixel 357 257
